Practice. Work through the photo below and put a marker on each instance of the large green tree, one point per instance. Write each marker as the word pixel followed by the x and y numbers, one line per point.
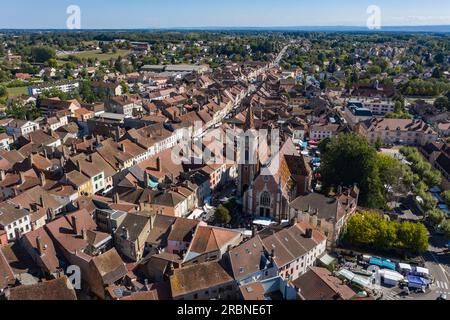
pixel 349 159
pixel 436 216
pixel 371 229
pixel 413 236
pixel 222 215
pixel 42 54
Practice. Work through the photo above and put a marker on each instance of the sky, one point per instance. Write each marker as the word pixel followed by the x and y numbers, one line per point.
pixel 133 14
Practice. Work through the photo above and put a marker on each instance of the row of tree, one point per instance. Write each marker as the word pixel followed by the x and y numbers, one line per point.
pixel 370 229
pixel 425 177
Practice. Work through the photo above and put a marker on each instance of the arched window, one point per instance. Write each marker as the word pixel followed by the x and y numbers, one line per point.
pixel 265 199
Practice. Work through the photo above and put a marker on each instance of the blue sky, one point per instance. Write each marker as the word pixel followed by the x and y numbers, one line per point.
pixel 227 13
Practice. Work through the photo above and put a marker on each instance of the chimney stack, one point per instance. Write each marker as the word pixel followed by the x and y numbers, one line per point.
pixel 116 198
pixel 308 233
pixel 42 179
pixel 254 231
pixel 83 234
pixel 75 225
pixel 158 164
pixel 39 244
pixel 2 175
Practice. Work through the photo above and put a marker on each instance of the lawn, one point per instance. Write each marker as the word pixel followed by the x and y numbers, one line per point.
pixel 17 91
pixel 96 54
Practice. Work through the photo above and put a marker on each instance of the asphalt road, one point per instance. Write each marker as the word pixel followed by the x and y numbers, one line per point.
pixel 438 261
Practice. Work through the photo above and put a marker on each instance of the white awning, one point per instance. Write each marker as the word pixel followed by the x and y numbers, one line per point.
pixel 392 275
pixel 197 213
pixel 405 266
pixel 422 270
pixel 263 222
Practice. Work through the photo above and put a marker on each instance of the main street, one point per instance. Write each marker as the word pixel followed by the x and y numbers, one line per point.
pixel 437 260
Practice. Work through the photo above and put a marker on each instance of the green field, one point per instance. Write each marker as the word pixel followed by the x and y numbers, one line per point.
pixel 17 91
pixel 96 54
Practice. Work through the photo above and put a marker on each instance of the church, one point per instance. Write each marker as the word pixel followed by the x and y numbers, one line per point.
pixel 270 182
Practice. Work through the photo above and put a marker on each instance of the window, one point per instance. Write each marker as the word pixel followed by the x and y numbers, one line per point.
pixel 196 296
pixel 265 199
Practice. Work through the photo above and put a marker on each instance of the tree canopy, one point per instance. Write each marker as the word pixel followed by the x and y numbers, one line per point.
pixel 348 159
pixel 42 54
pixel 222 215
pixel 373 230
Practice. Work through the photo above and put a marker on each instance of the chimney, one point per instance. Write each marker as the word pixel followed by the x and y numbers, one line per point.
pixel 254 231
pixel 78 165
pixel 39 245
pixel 45 153
pixel 116 198
pixel 83 234
pixel 42 179
pixel 2 175
pixel 339 190
pixel 122 147
pixel 308 233
pixel 158 164
pixel 41 201
pixel 75 225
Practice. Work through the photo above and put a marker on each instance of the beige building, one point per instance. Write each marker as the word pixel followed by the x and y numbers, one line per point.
pixel 397 131
pixel 204 281
pixel 328 215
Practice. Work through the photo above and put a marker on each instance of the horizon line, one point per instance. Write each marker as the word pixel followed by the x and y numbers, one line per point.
pixel 234 27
